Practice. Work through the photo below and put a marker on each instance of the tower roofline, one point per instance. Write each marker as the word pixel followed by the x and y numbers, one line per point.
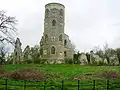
pixel 55 3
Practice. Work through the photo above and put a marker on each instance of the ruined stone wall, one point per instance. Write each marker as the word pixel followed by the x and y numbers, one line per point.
pixel 54 36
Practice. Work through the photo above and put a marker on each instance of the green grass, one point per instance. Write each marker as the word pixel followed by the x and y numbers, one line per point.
pixel 62 68
pixel 68 72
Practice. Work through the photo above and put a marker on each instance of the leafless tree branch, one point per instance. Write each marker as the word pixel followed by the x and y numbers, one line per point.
pixel 7 28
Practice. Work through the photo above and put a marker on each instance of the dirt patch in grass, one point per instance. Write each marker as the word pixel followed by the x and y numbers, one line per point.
pixel 103 75
pixel 78 78
pixel 98 76
pixel 25 74
pixel 29 74
pixel 1 71
pixel 90 74
pixel 109 75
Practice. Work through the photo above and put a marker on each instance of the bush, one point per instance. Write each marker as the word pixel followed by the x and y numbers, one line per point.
pixel 9 62
pixel 31 74
pixel 101 63
pixel 1 71
pixel 109 75
pixel 37 61
pixel 69 61
pixel 28 61
pixel 25 74
pixel 16 75
pixel 43 61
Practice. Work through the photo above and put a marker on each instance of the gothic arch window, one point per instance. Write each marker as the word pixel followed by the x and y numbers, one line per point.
pixel 65 42
pixel 16 53
pixel 46 37
pixel 54 23
pixel 60 37
pixel 61 12
pixel 65 53
pixel 52 50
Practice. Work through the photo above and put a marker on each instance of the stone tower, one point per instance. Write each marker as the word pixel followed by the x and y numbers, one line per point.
pixel 55 44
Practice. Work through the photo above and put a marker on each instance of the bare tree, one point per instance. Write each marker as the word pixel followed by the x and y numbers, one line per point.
pixel 7 28
pixel 3 52
pixel 110 55
pixel 74 47
pixel 98 51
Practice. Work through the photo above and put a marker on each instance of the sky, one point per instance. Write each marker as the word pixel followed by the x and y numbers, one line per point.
pixel 88 23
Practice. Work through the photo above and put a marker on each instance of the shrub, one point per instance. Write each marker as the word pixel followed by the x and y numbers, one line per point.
pixel 101 63
pixel 25 74
pixel 29 61
pixel 16 75
pixel 43 61
pixel 1 71
pixel 37 61
pixel 109 75
pixel 31 74
pixel 69 61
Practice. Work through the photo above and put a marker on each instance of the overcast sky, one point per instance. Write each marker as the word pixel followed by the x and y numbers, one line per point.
pixel 88 23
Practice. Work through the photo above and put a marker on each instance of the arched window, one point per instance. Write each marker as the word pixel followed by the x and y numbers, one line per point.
pixel 65 53
pixel 53 22
pixel 52 50
pixel 60 37
pixel 46 37
pixel 61 12
pixel 65 42
pixel 16 53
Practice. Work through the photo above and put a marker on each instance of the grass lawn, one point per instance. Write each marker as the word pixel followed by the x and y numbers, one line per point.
pixel 68 72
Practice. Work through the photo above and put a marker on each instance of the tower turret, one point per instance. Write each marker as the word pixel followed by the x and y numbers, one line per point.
pixel 53 40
